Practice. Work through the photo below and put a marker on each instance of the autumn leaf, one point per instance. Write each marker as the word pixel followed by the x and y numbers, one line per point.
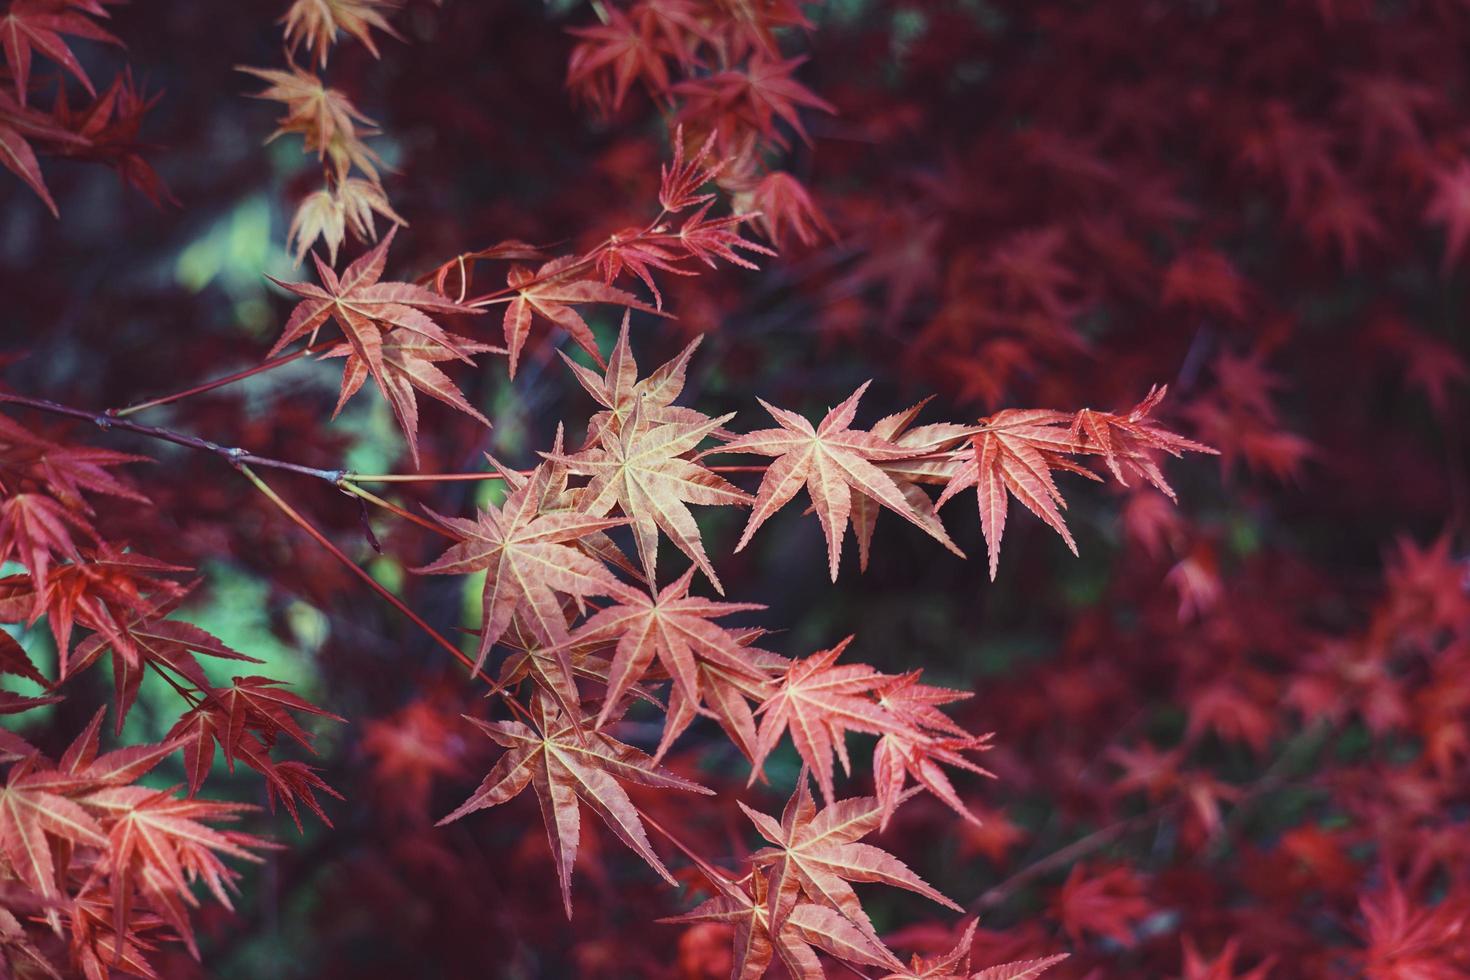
pixel 551 292
pixel 20 159
pixel 36 530
pixel 929 463
pixel 1126 441
pixel 159 845
pixel 820 703
pixel 528 558
pixel 673 627
pixel 1109 903
pixel 32 814
pixel 833 462
pixel 955 964
pixel 924 739
pixel 744 905
pixel 41 26
pixel 1013 455
pixel 325 117
pixel 151 640
pixel 369 313
pixel 643 471
pixel 408 365
pixel 620 390
pixel 565 763
pixel 314 24
pixel 822 853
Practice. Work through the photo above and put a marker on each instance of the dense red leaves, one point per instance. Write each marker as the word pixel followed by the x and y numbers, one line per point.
pixel 104 129
pixel 81 823
pixel 1271 758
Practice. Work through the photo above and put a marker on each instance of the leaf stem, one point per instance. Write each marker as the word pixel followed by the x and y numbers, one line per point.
pixel 372 583
pixel 228 379
pixel 373 498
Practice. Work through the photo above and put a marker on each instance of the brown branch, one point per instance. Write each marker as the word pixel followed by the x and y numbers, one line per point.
pixel 231 454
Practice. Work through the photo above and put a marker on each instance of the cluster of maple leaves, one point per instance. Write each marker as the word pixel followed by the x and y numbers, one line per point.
pixel 104 129
pixel 1249 759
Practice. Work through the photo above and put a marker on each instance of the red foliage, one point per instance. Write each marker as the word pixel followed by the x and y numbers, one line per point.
pixel 1222 745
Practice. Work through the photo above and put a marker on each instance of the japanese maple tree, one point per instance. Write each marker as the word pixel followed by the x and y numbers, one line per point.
pixel 348 631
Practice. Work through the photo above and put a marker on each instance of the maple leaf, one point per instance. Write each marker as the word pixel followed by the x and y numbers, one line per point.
pixel 314 24
pixel 528 557
pixel 757 94
pixel 718 238
pixel 725 692
pixel 245 720
pixel 927 464
pixel 1108 904
pixel 564 762
pixel 369 312
pixel 152 640
pixel 1125 440
pixel 923 738
pixel 744 906
pixel 833 462
pixel 675 628
pixel 15 661
pixel 159 845
pixel 626 48
pixel 619 391
pixel 1341 214
pixel 955 964
pixel 32 813
pixel 783 206
pixel 40 25
pixel 407 365
pixel 20 124
pixel 821 703
pixel 325 117
pixel 555 670
pixel 106 131
pixel 1407 939
pixel 642 471
pixel 67 471
pixel 1222 967
pixel 36 530
pixel 329 212
pixel 680 180
pixel 1202 277
pixel 551 291
pixel 632 250
pixel 101 591
pixel 822 853
pixel 409 748
pixel 1013 455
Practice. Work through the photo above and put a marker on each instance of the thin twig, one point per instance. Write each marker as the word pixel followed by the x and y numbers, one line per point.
pixel 357 570
pixel 234 455
pixel 228 379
